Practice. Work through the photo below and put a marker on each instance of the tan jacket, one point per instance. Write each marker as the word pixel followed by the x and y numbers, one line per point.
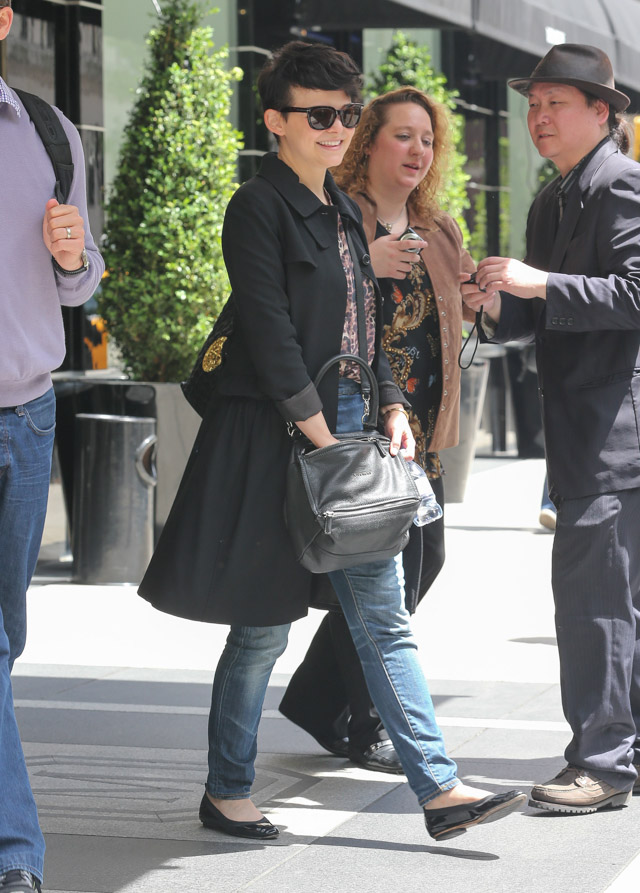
pixel 444 257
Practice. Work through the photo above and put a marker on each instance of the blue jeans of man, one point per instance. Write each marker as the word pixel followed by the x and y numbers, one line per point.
pixel 26 445
pixel 372 598
pixel 545 502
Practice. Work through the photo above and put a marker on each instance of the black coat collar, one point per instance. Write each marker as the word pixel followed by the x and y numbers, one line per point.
pixel 575 202
pixel 286 181
pixel 600 154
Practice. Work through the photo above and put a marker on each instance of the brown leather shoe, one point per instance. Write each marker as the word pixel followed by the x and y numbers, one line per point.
pixel 576 790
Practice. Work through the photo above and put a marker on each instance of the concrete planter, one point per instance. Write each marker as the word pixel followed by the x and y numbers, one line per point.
pixel 457 460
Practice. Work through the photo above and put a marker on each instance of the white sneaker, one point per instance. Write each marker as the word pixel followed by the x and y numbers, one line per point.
pixel 18 881
pixel 547 518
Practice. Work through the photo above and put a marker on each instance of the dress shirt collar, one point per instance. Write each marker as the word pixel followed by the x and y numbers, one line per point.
pixel 564 186
pixel 7 96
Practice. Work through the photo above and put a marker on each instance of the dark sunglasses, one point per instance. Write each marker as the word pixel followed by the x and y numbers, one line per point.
pixel 321 117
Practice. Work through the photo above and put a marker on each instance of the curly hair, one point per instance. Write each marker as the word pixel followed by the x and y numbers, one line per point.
pixel 351 175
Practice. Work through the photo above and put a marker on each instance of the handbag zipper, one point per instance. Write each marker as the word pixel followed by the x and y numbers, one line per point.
pixel 329 515
pixel 374 440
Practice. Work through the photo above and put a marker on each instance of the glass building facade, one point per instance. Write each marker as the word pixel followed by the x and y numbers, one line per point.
pixel 87 57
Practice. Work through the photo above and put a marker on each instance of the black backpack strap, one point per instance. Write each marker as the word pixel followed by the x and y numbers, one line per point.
pixel 55 141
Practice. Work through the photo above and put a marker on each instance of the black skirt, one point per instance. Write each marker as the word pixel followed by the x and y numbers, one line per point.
pixel 224 555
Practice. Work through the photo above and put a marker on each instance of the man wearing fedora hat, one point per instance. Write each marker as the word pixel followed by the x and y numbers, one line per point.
pixel 577 295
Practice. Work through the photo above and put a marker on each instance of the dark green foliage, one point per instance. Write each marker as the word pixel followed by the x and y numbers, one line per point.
pixel 166 279
pixel 477 246
pixel 407 64
pixel 546 173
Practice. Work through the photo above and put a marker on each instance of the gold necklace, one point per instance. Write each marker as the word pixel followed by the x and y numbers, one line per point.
pixel 389 226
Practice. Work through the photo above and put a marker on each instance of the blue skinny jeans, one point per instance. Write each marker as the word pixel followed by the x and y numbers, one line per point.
pixel 372 598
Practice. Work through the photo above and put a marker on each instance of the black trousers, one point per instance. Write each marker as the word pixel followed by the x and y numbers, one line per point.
pixel 327 694
pixel 596 588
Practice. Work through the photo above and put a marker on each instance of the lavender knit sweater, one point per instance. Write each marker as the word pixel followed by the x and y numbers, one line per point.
pixel 31 292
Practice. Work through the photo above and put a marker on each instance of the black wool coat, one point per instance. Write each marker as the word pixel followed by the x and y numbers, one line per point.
pixel 587 332
pixel 224 555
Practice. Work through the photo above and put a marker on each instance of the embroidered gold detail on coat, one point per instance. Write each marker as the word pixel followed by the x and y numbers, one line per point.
pixel 213 357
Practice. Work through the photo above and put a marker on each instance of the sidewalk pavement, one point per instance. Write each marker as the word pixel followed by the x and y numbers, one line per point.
pixel 112 700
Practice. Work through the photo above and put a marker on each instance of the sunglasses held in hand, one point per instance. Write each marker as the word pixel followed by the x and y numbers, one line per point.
pixel 321 117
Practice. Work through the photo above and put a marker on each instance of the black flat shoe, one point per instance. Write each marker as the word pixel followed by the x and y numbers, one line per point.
pixel 379 757
pixel 213 818
pixel 442 824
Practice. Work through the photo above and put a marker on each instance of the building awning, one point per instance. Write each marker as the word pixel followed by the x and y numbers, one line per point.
pixel 528 26
pixel 534 26
pixel 338 15
pixel 624 16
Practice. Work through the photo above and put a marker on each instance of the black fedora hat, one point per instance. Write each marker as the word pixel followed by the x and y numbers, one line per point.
pixel 584 67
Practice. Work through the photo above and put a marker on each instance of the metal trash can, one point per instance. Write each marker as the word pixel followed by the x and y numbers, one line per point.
pixel 113 503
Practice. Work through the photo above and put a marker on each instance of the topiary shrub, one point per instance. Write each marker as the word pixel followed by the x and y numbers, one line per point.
pixel 477 245
pixel 408 64
pixel 166 281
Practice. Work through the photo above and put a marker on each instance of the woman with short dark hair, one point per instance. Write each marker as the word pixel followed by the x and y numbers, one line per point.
pixel 225 555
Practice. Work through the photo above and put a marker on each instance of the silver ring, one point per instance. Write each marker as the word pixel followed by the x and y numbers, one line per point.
pixel 68 228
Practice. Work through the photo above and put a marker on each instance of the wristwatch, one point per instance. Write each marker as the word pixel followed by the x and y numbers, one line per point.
pixel 84 257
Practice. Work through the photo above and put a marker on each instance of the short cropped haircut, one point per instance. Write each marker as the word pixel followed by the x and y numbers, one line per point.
pixel 5 3
pixel 313 66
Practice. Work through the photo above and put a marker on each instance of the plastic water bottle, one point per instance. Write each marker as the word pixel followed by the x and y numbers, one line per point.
pixel 428 510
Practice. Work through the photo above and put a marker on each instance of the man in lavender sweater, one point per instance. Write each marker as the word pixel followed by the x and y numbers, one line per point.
pixel 47 258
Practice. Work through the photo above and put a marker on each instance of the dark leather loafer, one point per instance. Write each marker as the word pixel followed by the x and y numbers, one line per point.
pixel 379 757
pixel 213 818
pixel 339 747
pixel 442 824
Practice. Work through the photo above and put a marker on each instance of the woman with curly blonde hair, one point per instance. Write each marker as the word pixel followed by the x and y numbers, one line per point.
pixel 394 169
pixel 353 172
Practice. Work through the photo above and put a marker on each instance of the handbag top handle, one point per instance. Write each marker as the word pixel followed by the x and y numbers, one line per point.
pixel 373 398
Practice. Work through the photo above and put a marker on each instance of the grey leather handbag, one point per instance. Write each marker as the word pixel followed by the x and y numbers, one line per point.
pixel 351 502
